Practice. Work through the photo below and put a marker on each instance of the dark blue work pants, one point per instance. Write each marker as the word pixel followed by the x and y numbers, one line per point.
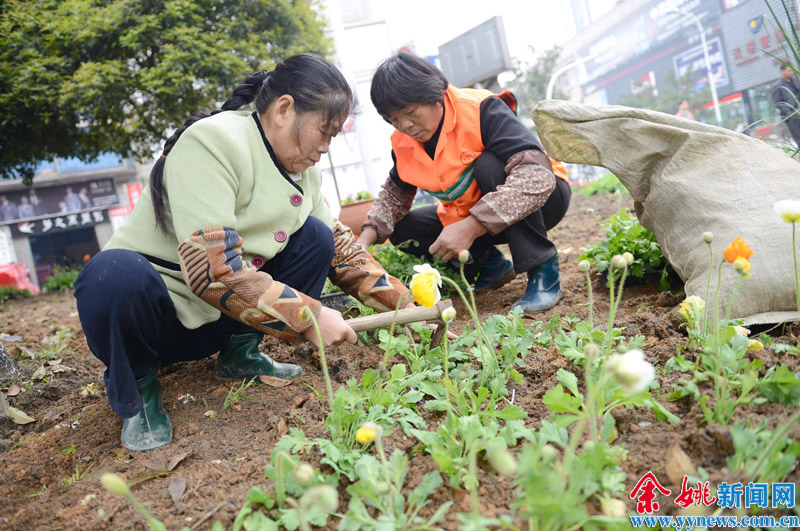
pixel 130 321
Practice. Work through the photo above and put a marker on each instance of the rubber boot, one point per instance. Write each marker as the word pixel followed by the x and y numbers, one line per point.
pixel 241 358
pixel 497 271
pixel 544 288
pixel 151 427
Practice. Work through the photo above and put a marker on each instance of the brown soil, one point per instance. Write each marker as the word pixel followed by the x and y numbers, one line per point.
pixel 227 453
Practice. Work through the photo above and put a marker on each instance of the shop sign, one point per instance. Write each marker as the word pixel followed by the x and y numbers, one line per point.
pixel 58 223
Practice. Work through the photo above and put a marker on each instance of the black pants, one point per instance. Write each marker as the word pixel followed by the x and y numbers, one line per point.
pixel 527 239
pixel 130 321
pixel 793 123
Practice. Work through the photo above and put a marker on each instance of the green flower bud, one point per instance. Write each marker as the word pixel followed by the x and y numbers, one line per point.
pixel 502 461
pixel 382 487
pixel 708 237
pixel 619 262
pixel 548 452
pixel 590 350
pixel 584 265
pixel 324 497
pixel 448 314
pixel 628 258
pixel 114 484
pixel 463 256
pixel 304 473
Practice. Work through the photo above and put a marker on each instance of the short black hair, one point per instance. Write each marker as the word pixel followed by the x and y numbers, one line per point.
pixel 406 79
pixel 784 67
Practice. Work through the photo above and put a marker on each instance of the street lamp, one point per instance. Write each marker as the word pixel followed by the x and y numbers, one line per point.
pixel 561 70
pixel 694 18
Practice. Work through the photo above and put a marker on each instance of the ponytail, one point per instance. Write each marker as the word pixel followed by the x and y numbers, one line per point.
pixel 314 84
pixel 242 95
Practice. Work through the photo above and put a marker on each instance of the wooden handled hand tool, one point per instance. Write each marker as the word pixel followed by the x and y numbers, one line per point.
pixel 405 316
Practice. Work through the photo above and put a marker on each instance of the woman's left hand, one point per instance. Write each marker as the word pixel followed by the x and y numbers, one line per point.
pixel 457 237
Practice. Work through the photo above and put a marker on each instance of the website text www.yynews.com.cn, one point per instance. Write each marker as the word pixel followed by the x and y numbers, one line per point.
pixel 689 522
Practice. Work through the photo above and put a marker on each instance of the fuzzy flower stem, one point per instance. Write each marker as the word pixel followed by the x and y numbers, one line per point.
pixel 733 296
pixel 472 308
pixel 391 330
pixel 716 293
pixel 708 288
pixel 612 308
pixel 591 301
pixel 385 466
pixel 323 360
pixel 591 390
pixel 794 252
pixel 473 468
pixel 607 341
pixel 280 486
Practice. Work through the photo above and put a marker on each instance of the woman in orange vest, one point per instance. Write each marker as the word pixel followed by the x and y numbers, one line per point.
pixel 494 182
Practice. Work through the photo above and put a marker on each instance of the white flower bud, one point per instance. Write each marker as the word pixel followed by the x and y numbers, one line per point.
pixel 304 473
pixel 708 237
pixel 628 258
pixel 619 262
pixel 631 370
pixel 584 265
pixel 448 314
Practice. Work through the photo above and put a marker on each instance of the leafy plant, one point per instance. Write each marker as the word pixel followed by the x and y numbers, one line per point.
pixel 56 345
pixel 77 476
pixel 459 437
pixel 780 385
pixel 11 292
pixel 379 485
pixel 63 278
pixel 762 454
pixel 400 264
pixel 624 233
pixel 235 395
pixel 359 196
pixel 607 184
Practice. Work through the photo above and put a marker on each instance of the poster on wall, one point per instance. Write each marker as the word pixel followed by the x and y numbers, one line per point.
pixel 37 202
pixel 693 61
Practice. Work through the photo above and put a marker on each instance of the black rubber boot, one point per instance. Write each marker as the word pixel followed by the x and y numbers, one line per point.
pixel 241 358
pixel 544 288
pixel 497 271
pixel 151 427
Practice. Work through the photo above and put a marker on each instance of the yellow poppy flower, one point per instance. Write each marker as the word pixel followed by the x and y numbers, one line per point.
pixel 425 285
pixel 367 432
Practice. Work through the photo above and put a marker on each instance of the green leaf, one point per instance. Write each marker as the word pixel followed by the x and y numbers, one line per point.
pixel 558 401
pixel 570 381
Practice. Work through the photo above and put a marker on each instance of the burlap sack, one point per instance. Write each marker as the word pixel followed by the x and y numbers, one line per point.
pixel 691 178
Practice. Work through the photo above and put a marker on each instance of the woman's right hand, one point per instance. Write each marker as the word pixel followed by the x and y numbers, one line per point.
pixel 333 328
pixel 367 237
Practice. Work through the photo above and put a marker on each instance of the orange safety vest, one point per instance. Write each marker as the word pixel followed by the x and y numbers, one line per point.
pixel 450 175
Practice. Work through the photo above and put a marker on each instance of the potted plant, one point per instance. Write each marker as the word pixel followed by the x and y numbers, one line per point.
pixel 354 210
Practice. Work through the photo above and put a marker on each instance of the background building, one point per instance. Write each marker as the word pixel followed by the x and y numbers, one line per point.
pixel 645 46
pixel 68 214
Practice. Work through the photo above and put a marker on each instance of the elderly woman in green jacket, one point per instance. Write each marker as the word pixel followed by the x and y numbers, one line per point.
pixel 233 240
